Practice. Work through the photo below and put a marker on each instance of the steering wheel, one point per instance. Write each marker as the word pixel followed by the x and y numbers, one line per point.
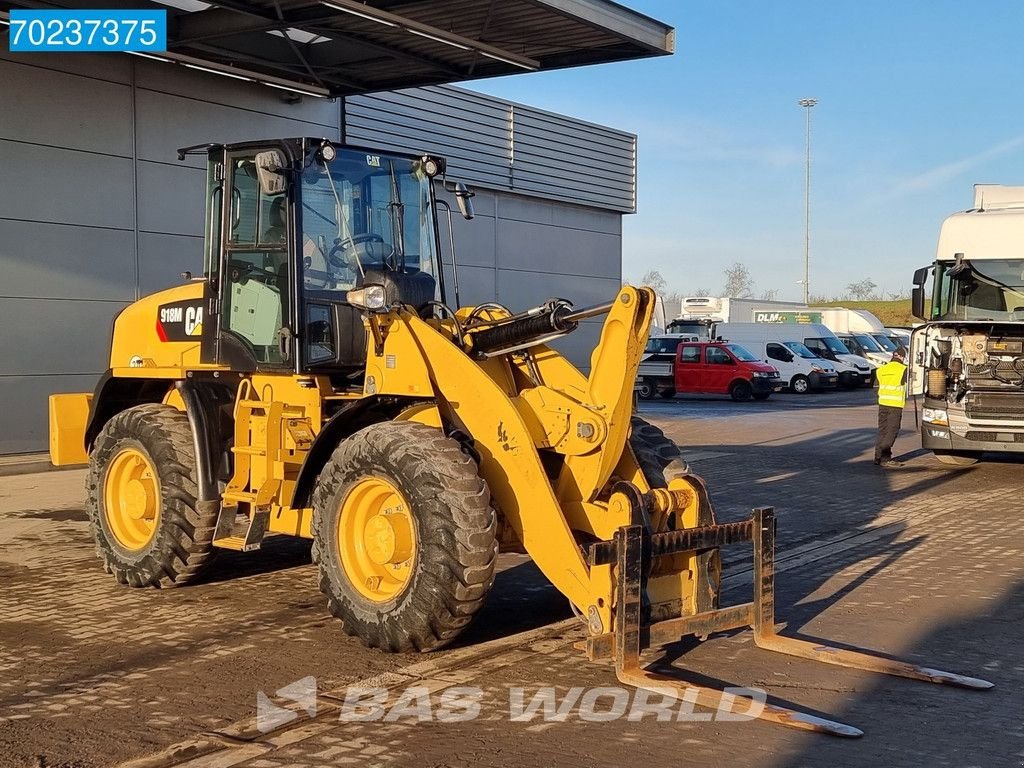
pixel 336 255
pixel 242 273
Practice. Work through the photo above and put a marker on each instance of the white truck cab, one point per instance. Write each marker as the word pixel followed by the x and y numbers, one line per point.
pixel 801 369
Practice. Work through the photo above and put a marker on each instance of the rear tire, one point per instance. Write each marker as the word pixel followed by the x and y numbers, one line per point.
pixel 957 458
pixel 646 389
pixel 450 565
pixel 800 384
pixel 741 391
pixel 148 528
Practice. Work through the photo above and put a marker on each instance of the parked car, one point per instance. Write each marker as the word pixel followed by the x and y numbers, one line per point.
pixel 854 370
pixel 723 368
pixel 798 367
pixel 865 345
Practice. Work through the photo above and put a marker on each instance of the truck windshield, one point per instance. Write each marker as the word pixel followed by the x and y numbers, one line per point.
pixel 362 211
pixel 740 353
pixel 832 344
pixel 799 350
pixel 868 342
pixel 979 290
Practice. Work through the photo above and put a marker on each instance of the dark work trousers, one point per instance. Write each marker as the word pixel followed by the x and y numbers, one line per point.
pixel 889 419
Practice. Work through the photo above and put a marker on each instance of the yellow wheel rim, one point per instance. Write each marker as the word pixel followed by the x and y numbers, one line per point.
pixel 376 539
pixel 131 499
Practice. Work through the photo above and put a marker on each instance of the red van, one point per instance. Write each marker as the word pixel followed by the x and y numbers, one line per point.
pixel 723 368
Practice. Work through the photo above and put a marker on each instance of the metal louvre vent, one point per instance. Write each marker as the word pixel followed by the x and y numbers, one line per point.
pixel 994 437
pixel 981 405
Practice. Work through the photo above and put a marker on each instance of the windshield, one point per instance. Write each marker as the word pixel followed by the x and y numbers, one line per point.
pixel 832 344
pixel 868 342
pixel 740 353
pixel 884 342
pixel 979 290
pixel 799 349
pixel 363 211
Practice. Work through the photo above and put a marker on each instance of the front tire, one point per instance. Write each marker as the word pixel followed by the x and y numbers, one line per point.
pixel 741 391
pixel 148 528
pixel 404 536
pixel 800 384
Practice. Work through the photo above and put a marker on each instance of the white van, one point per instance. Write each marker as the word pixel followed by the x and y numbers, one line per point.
pixel 865 345
pixel 854 370
pixel 797 365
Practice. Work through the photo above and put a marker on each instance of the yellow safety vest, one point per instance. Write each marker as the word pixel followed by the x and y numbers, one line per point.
pixel 891 391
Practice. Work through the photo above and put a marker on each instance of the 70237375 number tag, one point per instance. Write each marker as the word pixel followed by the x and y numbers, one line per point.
pixel 91 31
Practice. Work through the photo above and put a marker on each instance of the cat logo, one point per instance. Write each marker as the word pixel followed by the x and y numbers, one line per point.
pixel 373 161
pixel 180 321
pixel 193 321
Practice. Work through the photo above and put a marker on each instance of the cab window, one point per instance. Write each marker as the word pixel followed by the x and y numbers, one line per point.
pixel 779 352
pixel 717 356
pixel 689 354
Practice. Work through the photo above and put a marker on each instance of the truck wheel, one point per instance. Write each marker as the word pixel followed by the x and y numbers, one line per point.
pixel 741 391
pixel 646 389
pixel 800 384
pixel 142 508
pixel 957 458
pixel 659 458
pixel 404 536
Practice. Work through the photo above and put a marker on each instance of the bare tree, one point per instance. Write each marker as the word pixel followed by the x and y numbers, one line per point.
pixel 862 289
pixel 653 279
pixel 738 282
pixel 702 292
pixel 770 294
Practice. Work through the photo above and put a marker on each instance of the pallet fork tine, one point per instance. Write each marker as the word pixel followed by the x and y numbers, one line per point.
pixel 633 549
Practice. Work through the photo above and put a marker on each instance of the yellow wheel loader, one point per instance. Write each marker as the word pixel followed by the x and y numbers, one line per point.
pixel 315 382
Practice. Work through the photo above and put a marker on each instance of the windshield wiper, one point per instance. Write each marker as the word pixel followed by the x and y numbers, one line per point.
pixel 397 222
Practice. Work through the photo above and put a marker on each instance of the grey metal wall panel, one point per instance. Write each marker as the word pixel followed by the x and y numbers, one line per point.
pixel 521 289
pixel 198 122
pixel 23 427
pixel 155 76
pixel 65 186
pixel 64 110
pixel 56 335
pixel 97 66
pixel 170 198
pixel 162 259
pixel 438 120
pixel 523 245
pixel 476 284
pixel 514 147
pixel 579 345
pixel 563 215
pixel 54 261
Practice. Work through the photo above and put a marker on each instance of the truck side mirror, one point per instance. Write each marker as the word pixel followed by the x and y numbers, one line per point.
pixel 917 295
pixel 463 198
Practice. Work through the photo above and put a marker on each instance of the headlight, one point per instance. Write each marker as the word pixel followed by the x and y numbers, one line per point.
pixel 761 374
pixel 936 416
pixel 370 297
pixel 817 369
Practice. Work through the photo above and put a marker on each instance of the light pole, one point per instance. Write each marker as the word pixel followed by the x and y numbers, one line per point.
pixel 807 104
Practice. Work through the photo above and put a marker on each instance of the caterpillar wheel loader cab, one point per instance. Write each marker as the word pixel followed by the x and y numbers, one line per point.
pixel 315 382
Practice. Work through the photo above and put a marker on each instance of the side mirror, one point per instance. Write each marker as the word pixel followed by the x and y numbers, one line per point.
pixel 917 295
pixel 463 198
pixel 269 170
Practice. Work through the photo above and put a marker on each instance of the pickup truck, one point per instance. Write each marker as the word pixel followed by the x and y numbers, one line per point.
pixel 701 367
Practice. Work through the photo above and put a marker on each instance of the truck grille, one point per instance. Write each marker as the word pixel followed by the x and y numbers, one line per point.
pixel 994 437
pixel 994 405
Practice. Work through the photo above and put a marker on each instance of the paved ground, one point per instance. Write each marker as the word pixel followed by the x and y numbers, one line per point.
pixel 924 562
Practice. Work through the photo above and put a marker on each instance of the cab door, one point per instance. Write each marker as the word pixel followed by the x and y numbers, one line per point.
pixel 689 368
pixel 782 358
pixel 256 276
pixel 719 369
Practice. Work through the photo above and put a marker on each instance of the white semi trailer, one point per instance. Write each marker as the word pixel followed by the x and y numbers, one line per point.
pixel 967 359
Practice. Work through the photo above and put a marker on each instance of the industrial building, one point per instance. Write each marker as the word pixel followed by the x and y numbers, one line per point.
pixel 96 210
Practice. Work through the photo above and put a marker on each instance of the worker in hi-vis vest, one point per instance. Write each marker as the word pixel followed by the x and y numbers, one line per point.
pixel 892 395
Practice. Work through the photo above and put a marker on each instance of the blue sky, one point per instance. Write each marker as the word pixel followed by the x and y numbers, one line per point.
pixel 917 101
